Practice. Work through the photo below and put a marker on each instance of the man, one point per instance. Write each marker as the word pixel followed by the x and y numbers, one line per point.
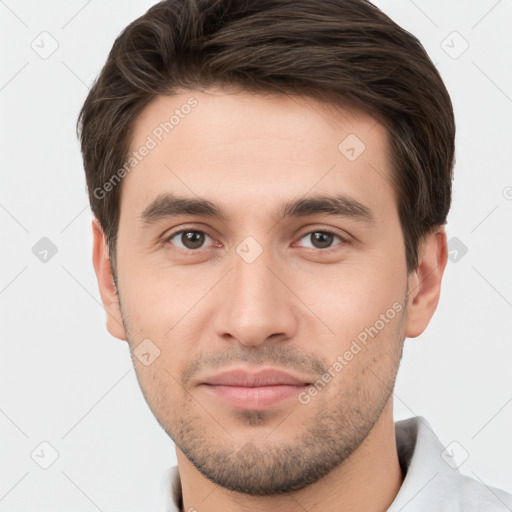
pixel 270 181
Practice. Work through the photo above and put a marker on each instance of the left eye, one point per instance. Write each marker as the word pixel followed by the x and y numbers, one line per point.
pixel 321 239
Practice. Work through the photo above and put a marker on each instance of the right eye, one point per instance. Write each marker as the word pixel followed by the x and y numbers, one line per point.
pixel 190 239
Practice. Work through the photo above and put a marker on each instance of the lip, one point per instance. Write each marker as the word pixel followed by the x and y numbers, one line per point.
pixel 244 378
pixel 254 390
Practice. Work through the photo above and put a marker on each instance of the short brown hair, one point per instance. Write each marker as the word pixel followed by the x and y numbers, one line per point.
pixel 340 51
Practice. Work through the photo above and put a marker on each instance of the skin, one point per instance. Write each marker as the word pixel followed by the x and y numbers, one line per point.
pixel 297 307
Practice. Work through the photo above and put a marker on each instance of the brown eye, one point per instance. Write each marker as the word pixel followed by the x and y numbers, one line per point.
pixel 189 239
pixel 321 239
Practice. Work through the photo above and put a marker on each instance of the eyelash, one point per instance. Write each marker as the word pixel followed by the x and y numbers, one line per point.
pixel 344 240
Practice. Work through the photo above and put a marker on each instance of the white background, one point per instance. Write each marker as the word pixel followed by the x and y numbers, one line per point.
pixel 66 381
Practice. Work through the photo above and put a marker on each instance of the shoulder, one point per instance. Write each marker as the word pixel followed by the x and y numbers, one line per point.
pixel 432 480
pixel 474 496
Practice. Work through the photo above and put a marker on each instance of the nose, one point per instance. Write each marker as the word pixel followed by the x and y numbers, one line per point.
pixel 256 303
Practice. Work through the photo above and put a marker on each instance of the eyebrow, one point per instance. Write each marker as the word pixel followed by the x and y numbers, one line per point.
pixel 169 205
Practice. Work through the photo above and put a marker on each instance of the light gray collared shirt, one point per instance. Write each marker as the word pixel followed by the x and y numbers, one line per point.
pixel 432 480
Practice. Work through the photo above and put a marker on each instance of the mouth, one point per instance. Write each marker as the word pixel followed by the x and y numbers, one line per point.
pixel 260 390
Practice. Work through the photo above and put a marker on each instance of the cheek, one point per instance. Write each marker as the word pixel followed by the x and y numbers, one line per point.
pixel 158 298
pixel 163 306
pixel 349 298
pixel 161 389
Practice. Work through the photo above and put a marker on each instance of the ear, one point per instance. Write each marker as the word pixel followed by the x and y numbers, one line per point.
pixel 108 292
pixel 425 282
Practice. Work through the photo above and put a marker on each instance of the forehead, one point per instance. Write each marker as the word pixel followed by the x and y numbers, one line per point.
pixel 239 147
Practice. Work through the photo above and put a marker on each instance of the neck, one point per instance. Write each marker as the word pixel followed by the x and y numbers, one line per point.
pixel 368 481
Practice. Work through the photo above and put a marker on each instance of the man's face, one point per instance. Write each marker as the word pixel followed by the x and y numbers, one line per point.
pixel 256 290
